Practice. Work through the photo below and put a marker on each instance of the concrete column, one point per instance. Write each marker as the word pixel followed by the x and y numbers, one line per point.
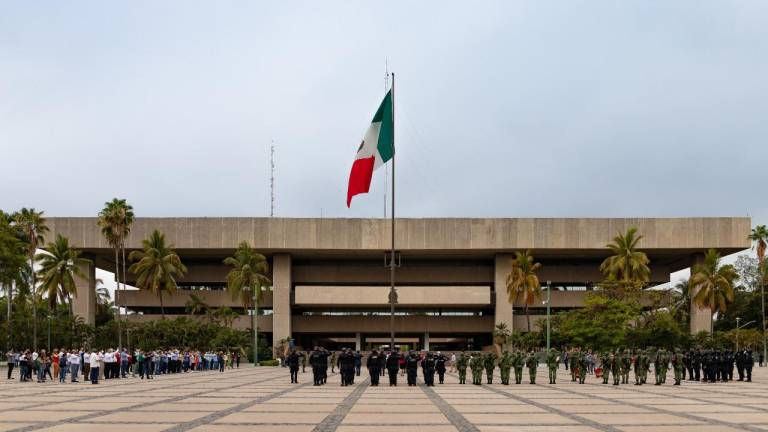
pixel 426 341
pixel 84 304
pixel 281 297
pixel 358 341
pixel 503 311
pixel 701 318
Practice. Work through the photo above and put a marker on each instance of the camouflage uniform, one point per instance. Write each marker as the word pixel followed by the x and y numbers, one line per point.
pixel 505 364
pixel 518 361
pixel 476 364
pixel 532 362
pixel 490 364
pixel 552 361
pixel 461 366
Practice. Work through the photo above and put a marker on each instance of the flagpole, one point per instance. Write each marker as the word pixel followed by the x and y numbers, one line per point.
pixel 392 292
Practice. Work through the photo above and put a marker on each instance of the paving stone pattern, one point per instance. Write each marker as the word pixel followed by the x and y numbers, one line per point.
pixel 262 399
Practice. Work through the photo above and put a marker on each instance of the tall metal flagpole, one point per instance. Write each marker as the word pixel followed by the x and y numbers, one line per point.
pixel 392 292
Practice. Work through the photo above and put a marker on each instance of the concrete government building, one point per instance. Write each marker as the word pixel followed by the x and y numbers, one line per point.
pixel 330 283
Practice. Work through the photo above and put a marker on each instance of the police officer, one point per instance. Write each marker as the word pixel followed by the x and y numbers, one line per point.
pixel 696 363
pixel 749 363
pixel 392 363
pixel 293 365
pixel 440 360
pixel 428 369
pixel 373 367
pixel 411 368
pixel 314 363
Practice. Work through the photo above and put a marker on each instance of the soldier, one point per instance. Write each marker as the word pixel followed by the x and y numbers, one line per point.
pixel 582 361
pixel 461 366
pixel 605 366
pixel 573 360
pixel 532 362
pixel 696 363
pixel 679 366
pixel 440 360
pixel 489 362
pixel 626 365
pixel 615 368
pixel 303 360
pixel 665 365
pixel 688 361
pixel 334 361
pixel 749 363
pixel 729 359
pixel 738 357
pixel 476 364
pixel 552 361
pixel 411 367
pixel 293 365
pixel 505 364
pixel 373 367
pixel 657 367
pixel 518 361
pixel 646 363
pixel 428 369
pixel 637 367
pixel 314 363
pixel 392 365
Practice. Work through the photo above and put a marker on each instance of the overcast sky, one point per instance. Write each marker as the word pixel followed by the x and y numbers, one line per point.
pixel 503 109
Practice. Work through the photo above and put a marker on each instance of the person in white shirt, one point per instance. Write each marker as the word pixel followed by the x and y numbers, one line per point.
pixel 94 359
pixel 74 365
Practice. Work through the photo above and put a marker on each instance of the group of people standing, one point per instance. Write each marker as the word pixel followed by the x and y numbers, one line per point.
pixel 112 363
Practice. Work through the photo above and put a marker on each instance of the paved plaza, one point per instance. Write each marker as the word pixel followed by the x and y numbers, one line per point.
pixel 262 399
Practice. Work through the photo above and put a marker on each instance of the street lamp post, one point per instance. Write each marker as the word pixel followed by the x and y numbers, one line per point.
pixel 739 327
pixel 549 297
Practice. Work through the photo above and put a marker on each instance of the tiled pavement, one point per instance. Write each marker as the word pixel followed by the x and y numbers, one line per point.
pixel 262 399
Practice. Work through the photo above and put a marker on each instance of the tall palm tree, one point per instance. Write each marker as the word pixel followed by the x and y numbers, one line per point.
pixel 759 236
pixel 115 221
pixel 32 224
pixel 523 283
pixel 626 267
pixel 12 263
pixel 196 306
pixel 59 264
pixel 713 284
pixel 157 266
pixel 681 301
pixel 245 280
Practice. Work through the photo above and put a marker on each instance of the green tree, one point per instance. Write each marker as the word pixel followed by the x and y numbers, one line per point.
pixel 603 323
pixel 626 270
pixel 501 335
pixel 59 264
pixel 157 267
pixel 115 221
pixel 522 282
pixel 759 236
pixel 246 279
pixel 32 224
pixel 12 265
pixel 196 306
pixel 713 284
pixel 680 306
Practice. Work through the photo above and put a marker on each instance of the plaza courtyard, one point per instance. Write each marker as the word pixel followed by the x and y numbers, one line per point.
pixel 262 399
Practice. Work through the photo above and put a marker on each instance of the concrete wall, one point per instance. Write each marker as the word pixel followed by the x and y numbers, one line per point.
pixel 440 234
pixel 379 295
pixel 242 322
pixel 403 324
pixel 138 298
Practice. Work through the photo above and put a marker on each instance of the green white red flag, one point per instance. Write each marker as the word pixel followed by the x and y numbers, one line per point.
pixel 377 148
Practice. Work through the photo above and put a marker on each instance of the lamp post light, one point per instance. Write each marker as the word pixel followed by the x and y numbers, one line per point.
pixel 549 297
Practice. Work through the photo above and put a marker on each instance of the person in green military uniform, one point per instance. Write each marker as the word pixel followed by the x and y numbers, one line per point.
pixel 476 364
pixel 532 362
pixel 646 366
pixel 657 361
pixel 605 366
pixel 574 363
pixel 581 361
pixel 637 367
pixel 616 368
pixel 461 366
pixel 553 359
pixel 505 364
pixel 664 365
pixel 489 362
pixel 679 366
pixel 518 361
pixel 626 366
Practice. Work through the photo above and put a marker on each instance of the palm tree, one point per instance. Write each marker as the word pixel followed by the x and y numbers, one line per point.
pixel 196 306
pixel 501 335
pixel 759 236
pixel 681 301
pixel 12 263
pixel 32 224
pixel 523 283
pixel 59 264
pixel 115 221
pixel 245 280
pixel 157 266
pixel 626 267
pixel 712 284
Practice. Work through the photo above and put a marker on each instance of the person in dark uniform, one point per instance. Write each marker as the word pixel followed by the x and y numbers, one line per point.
pixel 696 362
pixel 346 367
pixel 324 355
pixel 440 367
pixel 428 369
pixel 687 366
pixel 749 363
pixel 738 358
pixel 411 367
pixel 293 365
pixel 392 364
pixel 314 363
pixel 358 362
pixel 373 367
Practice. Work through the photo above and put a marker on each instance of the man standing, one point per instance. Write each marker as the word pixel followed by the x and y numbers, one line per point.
pixel 626 365
pixel 392 364
pixel 749 363
pixel 411 367
pixel 489 362
pixel 505 365
pixel 605 366
pixel 476 365
pixel 428 369
pixel 358 363
pixel 10 358
pixel 583 366
pixel 461 367
pixel 679 366
pixel 95 359
pixel 518 361
pixel 552 361
pixel 440 361
pixel 74 365
pixel 373 368
pixel 293 366
pixel 532 363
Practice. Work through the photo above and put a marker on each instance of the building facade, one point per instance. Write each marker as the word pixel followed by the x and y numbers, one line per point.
pixel 330 284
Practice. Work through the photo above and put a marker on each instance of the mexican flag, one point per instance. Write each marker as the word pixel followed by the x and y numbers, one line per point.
pixel 377 148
